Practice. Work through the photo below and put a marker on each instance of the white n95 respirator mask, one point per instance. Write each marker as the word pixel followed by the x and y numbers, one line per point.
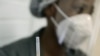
pixel 74 30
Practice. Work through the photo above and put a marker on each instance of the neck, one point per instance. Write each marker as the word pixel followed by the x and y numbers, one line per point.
pixel 49 41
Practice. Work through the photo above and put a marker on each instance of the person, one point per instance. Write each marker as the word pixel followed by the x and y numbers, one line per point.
pixel 48 39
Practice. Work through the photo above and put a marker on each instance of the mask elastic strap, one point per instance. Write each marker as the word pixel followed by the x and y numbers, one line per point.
pixel 60 40
pixel 60 11
pixel 56 24
pixel 54 21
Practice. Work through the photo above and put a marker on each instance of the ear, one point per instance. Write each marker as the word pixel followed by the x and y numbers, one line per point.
pixel 49 11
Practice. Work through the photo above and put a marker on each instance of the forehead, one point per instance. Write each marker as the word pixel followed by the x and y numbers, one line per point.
pixel 75 0
pixel 70 1
pixel 66 2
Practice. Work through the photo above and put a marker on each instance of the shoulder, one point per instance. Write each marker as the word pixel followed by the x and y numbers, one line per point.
pixel 20 47
pixel 18 43
pixel 24 47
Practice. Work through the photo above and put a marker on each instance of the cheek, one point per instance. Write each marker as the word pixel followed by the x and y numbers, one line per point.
pixel 88 10
pixel 68 10
pixel 48 12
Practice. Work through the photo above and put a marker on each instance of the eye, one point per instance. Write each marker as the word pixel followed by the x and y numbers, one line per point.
pixel 81 9
pixel 78 9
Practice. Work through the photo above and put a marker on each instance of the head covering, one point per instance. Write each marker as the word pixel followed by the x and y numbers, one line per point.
pixel 37 6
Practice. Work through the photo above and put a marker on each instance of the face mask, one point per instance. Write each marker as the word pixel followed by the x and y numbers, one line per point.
pixel 72 31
